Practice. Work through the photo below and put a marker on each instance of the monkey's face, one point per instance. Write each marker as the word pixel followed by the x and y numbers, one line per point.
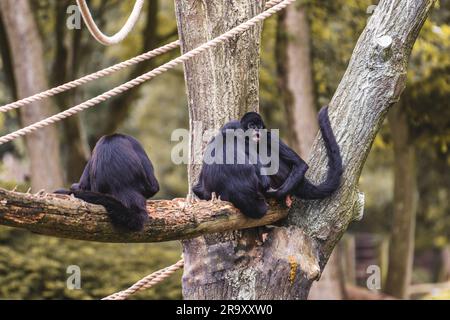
pixel 253 122
pixel 255 131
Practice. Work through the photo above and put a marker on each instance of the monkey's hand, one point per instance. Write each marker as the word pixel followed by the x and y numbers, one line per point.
pixel 288 201
pixel 75 187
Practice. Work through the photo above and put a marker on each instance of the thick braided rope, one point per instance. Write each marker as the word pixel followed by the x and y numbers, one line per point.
pixel 147 76
pixel 90 77
pixel 99 74
pixel 147 282
pixel 121 34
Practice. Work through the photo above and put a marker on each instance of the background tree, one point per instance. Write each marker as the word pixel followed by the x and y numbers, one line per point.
pixel 27 59
pixel 295 78
pixel 422 125
pixel 405 205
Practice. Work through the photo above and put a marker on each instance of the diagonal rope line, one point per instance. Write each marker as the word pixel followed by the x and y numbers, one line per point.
pixel 149 75
pixel 147 282
pixel 90 77
pixel 99 74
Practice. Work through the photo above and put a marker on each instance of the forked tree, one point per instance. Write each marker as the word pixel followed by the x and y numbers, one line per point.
pixel 223 85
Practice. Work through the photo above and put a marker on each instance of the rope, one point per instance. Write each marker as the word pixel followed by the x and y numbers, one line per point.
pixel 99 74
pixel 90 77
pixel 147 76
pixel 119 36
pixel 147 282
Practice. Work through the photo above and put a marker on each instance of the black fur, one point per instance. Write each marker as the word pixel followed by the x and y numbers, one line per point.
pixel 246 188
pixel 120 177
pixel 240 184
pixel 307 190
pixel 293 168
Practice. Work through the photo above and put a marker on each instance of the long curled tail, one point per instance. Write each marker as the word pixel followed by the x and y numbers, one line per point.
pixel 122 217
pixel 306 189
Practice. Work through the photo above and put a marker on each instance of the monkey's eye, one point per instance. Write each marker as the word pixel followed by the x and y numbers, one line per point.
pixel 251 125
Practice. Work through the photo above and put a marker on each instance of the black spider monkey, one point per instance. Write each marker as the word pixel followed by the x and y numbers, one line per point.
pixel 238 183
pixel 245 186
pixel 119 176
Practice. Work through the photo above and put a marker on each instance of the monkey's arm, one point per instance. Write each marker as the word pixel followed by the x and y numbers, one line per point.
pixel 296 174
pixel 264 180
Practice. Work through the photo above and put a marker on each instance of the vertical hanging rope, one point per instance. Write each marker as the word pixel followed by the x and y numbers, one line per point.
pixel 121 34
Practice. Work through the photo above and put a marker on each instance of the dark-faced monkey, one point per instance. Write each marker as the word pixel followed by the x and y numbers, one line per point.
pixel 246 186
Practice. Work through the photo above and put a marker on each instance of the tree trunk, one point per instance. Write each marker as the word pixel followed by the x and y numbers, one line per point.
pixel 223 83
pixel 401 249
pixel 6 59
pixel 74 145
pixel 29 72
pixel 295 78
pixel 443 274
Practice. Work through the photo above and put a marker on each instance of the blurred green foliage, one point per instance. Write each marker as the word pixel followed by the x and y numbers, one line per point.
pixel 35 267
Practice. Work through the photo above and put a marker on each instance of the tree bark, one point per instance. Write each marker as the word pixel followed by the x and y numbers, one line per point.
pixel 68 217
pixel 29 73
pixel 223 85
pixel 225 80
pixel 401 247
pixel 295 78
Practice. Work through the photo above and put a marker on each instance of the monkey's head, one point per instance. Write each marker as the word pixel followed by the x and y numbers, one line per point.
pixel 253 121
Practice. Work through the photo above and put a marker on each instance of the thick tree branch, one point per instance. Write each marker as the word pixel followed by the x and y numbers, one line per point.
pixel 64 216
